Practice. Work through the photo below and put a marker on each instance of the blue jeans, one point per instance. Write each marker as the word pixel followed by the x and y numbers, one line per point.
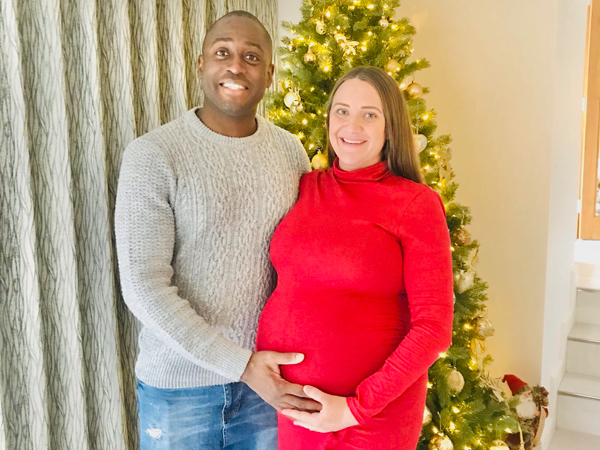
pixel 227 416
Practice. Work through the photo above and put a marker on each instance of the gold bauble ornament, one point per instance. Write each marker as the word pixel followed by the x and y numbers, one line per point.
pixel 426 416
pixel 291 99
pixel 320 28
pixel 392 66
pixel 403 85
pixel 463 281
pixel 441 443
pixel 484 327
pixel 499 445
pixel 462 237
pixel 383 23
pixel 456 381
pixel 414 90
pixel 420 142
pixel 309 57
pixel 319 161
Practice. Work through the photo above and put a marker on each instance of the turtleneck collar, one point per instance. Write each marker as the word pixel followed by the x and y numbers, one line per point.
pixel 375 172
pixel 209 135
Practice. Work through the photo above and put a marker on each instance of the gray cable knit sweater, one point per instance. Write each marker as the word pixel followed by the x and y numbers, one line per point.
pixel 194 217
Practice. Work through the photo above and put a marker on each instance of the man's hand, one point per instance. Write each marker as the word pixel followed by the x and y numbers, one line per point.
pixel 334 416
pixel 263 376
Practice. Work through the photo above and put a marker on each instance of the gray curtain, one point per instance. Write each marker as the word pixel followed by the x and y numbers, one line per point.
pixel 78 81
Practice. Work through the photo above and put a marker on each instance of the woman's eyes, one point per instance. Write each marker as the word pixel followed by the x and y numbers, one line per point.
pixel 344 112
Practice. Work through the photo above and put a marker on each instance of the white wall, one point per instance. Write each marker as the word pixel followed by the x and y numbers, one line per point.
pixel 506 81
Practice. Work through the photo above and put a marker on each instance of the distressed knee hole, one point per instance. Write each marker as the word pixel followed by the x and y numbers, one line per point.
pixel 154 433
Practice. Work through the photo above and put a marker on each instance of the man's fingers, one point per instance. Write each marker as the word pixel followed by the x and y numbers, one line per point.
pixel 288 358
pixel 302 404
pixel 296 390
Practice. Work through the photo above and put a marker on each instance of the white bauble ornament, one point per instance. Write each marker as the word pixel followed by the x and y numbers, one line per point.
pixel 463 281
pixel 456 381
pixel 414 90
pixel 392 66
pixel 420 142
pixel 484 327
pixel 426 416
pixel 441 443
pixel 499 445
pixel 320 28
pixel 291 99
pixel 383 23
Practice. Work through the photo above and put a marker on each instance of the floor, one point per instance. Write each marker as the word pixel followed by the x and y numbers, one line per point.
pixel 571 440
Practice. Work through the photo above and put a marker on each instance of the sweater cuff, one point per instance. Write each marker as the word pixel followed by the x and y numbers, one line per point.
pixel 233 359
pixel 354 409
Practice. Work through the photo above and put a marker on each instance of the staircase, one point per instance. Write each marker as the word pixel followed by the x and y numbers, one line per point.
pixel 578 406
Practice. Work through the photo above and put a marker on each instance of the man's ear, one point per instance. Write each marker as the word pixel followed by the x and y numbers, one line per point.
pixel 270 73
pixel 200 64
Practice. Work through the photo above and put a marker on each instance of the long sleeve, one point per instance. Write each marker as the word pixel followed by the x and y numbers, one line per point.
pixel 145 234
pixel 427 270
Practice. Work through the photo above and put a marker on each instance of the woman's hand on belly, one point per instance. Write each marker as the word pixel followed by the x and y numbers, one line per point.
pixel 335 414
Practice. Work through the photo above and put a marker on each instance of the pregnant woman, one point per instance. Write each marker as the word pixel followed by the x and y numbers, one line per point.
pixel 364 285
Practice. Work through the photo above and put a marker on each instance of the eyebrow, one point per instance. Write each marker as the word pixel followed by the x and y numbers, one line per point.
pixel 228 39
pixel 364 107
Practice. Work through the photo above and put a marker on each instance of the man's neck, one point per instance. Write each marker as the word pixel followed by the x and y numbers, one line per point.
pixel 228 126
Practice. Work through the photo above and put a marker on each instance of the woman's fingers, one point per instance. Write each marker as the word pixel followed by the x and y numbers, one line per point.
pixel 316 394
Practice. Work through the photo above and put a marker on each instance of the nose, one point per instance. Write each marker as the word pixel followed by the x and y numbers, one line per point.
pixel 236 64
pixel 354 122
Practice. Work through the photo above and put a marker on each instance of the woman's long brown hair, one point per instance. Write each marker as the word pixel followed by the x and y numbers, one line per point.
pixel 399 148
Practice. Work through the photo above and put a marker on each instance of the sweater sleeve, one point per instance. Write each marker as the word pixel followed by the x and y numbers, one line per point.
pixel 428 281
pixel 145 237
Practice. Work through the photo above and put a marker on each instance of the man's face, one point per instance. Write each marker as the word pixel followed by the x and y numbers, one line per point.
pixel 235 67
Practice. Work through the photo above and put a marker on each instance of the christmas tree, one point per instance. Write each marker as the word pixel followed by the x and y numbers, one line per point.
pixel 465 406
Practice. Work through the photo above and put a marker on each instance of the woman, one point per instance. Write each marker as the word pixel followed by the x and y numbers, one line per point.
pixel 364 279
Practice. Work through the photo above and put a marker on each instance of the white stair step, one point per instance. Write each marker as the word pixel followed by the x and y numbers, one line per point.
pixel 583 349
pixel 585 332
pixel 578 406
pixel 588 307
pixel 570 440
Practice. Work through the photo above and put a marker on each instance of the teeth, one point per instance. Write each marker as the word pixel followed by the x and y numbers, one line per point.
pixel 233 86
pixel 352 142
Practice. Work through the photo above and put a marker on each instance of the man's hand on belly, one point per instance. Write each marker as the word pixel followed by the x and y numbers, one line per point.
pixel 334 416
pixel 263 376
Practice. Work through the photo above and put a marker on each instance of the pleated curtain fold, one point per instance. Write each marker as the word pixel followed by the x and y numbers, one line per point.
pixel 79 80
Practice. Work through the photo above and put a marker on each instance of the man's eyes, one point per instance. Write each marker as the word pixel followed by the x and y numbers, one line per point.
pixel 250 56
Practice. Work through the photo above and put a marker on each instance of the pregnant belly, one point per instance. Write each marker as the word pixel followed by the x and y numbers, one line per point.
pixel 345 338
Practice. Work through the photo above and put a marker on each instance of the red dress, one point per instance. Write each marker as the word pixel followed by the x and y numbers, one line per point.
pixel 364 290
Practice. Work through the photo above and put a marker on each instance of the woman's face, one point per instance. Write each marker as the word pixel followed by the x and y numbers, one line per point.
pixel 356 125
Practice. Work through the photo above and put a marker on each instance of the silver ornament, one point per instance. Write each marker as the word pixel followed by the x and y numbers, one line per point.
pixel 420 142
pixel 456 381
pixel 441 443
pixel 463 281
pixel 426 416
pixel 383 23
pixel 484 327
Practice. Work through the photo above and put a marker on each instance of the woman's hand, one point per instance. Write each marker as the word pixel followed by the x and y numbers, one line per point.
pixel 335 414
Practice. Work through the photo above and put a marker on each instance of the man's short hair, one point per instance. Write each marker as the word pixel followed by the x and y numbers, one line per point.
pixel 247 15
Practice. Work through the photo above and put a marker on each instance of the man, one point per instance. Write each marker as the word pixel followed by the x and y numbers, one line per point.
pixel 197 204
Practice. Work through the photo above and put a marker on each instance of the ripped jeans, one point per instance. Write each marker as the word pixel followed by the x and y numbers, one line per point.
pixel 227 416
